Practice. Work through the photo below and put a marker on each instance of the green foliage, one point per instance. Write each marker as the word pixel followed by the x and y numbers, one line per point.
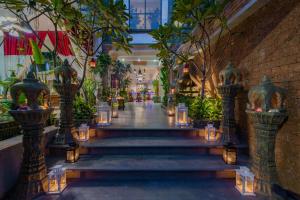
pixel 7 83
pixel 155 84
pixel 36 53
pixel 188 100
pixel 121 70
pixel 102 65
pixel 206 109
pixel 89 88
pixel 82 110
pixel 164 78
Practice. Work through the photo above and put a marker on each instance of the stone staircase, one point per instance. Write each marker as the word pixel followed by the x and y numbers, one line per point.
pixel 149 154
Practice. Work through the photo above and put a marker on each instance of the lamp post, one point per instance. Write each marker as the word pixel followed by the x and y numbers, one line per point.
pixel 66 86
pixel 228 89
pixel 32 116
pixel 267 113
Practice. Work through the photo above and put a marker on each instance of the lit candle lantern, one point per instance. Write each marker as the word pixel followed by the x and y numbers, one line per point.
pixel 171 106
pixel 83 133
pixel 230 154
pixel 57 180
pixel 186 69
pixel 103 112
pixel 93 63
pixel 115 108
pixel 181 115
pixel 210 133
pixel 244 181
pixel 72 153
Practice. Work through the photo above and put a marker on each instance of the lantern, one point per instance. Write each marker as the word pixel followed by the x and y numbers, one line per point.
pixel 92 63
pixel 186 69
pixel 57 180
pixel 244 181
pixel 103 112
pixel 115 108
pixel 83 133
pixel 230 154
pixel 210 133
pixel 181 115
pixel 171 106
pixel 72 153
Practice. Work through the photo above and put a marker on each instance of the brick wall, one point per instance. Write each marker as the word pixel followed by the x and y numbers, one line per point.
pixel 268 42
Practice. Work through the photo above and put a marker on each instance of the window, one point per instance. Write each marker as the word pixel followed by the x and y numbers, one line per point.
pixel 145 14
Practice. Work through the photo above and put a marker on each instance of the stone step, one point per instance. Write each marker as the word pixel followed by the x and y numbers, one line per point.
pixel 147 167
pixel 145 132
pixel 151 146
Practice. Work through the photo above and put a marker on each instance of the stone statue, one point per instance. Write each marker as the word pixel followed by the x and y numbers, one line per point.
pixel 230 75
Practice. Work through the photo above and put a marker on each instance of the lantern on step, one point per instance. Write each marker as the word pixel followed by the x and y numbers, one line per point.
pixel 72 153
pixel 83 133
pixel 114 108
pixel 230 154
pixel 57 180
pixel 244 181
pixel 103 114
pixel 210 133
pixel 181 115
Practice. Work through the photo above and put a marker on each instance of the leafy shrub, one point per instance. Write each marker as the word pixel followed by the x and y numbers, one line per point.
pixel 82 110
pixel 206 109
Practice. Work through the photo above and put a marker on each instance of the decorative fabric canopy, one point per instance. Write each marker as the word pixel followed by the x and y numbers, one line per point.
pixel 21 46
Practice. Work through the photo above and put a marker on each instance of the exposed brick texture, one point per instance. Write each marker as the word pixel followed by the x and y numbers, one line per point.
pixel 268 43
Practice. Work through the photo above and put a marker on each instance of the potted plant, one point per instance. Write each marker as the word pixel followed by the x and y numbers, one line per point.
pixel 205 110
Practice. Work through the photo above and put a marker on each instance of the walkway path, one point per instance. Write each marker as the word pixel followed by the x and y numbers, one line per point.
pixel 146 115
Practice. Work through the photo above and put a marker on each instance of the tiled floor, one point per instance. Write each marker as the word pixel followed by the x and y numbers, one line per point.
pixel 143 115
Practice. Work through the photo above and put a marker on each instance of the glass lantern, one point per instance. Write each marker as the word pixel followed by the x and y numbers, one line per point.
pixel 181 115
pixel 72 153
pixel 57 180
pixel 83 133
pixel 171 106
pixel 210 133
pixel 115 108
pixel 244 181
pixel 103 112
pixel 230 154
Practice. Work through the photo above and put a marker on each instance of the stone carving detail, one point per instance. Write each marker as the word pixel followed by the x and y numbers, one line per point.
pixel 228 89
pixel 267 113
pixel 230 75
pixel 266 96
pixel 32 116
pixel 66 85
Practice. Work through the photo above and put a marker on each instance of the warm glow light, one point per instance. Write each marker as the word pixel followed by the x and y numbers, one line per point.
pixel 72 153
pixel 115 108
pixel 258 110
pixel 210 133
pixel 181 115
pixel 103 112
pixel 244 181
pixel 57 180
pixel 230 154
pixel 83 133
pixel 92 63
pixel 186 69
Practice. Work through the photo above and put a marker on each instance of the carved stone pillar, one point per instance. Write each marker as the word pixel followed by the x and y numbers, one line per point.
pixel 228 94
pixel 266 117
pixel 32 180
pixel 66 86
pixel 228 89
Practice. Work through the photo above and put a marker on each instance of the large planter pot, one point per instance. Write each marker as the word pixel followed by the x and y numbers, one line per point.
pixel 9 129
pixel 201 123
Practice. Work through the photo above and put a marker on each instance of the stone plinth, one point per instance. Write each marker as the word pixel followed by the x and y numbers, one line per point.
pixel 66 86
pixel 266 126
pixel 66 123
pixel 32 179
pixel 228 94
